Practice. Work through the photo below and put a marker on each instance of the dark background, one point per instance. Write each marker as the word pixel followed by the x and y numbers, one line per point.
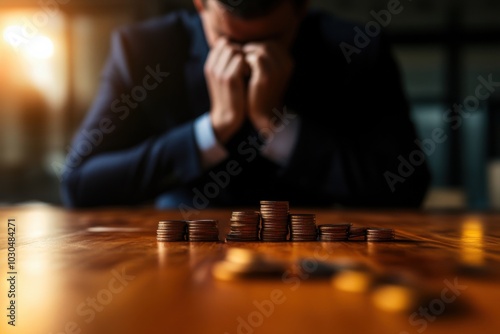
pixel 48 82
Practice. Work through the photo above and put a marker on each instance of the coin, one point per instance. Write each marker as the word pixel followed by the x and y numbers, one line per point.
pixel 303 227
pixel 171 230
pixel 380 234
pixel 244 226
pixel 357 233
pixel 274 220
pixel 202 230
pixel 334 232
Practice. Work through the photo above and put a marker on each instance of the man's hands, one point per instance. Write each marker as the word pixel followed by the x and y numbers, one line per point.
pixel 232 99
pixel 224 70
pixel 271 66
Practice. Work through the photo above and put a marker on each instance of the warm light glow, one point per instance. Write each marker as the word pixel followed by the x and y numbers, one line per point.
pixel 472 242
pixel 12 35
pixel 394 298
pixel 37 47
pixel 352 281
pixel 37 224
pixel 41 47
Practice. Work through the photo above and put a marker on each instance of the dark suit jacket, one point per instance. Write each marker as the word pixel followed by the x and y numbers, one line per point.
pixel 137 143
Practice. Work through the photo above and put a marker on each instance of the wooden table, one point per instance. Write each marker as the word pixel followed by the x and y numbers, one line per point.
pixel 103 271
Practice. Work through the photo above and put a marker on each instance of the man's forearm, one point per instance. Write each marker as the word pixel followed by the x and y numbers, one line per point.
pixel 352 171
pixel 134 175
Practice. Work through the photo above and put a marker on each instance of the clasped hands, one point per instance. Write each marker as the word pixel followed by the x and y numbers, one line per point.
pixel 245 82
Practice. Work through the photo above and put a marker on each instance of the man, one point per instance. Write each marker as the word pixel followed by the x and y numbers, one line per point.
pixel 245 101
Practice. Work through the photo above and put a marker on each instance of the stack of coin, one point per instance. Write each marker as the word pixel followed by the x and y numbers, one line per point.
pixel 357 233
pixel 380 234
pixel 274 220
pixel 244 226
pixel 303 227
pixel 202 230
pixel 334 232
pixel 171 230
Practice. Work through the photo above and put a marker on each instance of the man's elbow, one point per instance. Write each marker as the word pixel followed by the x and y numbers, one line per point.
pixel 70 191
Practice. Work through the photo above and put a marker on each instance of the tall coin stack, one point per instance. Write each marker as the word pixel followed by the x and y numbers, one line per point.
pixel 171 230
pixel 202 230
pixel 303 227
pixel 244 226
pixel 334 232
pixel 380 234
pixel 274 220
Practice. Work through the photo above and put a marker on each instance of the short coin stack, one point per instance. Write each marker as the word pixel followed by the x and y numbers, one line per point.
pixel 244 226
pixel 171 230
pixel 334 232
pixel 274 220
pixel 380 234
pixel 303 227
pixel 202 230
pixel 357 233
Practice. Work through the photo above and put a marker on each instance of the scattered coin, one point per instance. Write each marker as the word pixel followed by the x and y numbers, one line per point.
pixel 246 264
pixel 395 297
pixel 353 280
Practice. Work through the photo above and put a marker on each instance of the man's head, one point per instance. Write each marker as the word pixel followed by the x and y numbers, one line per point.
pixel 244 21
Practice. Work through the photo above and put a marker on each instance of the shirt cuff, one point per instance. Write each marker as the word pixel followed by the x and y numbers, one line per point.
pixel 280 146
pixel 211 151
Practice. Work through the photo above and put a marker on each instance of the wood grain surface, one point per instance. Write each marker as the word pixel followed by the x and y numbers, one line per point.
pixel 102 271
